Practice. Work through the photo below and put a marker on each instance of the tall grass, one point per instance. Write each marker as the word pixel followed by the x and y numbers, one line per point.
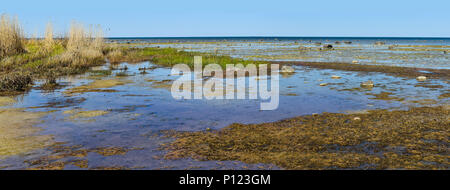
pixel 11 36
pixel 49 40
pixel 83 48
pixel 79 38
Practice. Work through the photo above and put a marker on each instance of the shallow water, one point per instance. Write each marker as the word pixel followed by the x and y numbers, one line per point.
pixel 130 111
pixel 135 112
pixel 422 53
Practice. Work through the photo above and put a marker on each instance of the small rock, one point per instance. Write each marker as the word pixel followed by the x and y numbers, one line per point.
pixel 421 78
pixel 355 61
pixel 287 69
pixel 328 46
pixel 379 43
pixel 348 42
pixel 208 129
pixel 367 84
pixel 356 118
pixel 335 77
pixel 323 84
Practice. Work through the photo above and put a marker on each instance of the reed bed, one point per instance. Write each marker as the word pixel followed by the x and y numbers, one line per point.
pixel 11 36
pixel 23 59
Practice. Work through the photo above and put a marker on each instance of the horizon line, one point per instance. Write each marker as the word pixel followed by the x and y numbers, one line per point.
pixel 256 36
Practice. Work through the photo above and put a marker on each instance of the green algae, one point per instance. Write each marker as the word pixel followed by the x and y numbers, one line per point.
pixel 97 86
pixel 385 96
pixel 17 134
pixel 63 155
pixel 77 113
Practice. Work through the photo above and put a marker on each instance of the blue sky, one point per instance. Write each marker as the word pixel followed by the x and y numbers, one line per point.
pixel 131 18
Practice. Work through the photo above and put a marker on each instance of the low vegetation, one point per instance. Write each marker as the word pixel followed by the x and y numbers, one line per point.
pixel 24 59
pixel 172 56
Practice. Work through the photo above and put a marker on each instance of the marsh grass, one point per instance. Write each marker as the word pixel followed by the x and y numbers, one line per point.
pixel 11 36
pixel 172 56
pixel 46 58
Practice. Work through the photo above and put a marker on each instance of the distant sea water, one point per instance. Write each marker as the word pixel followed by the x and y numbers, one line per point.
pixel 361 40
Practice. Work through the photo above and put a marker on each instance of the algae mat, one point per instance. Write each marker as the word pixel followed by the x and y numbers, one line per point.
pixel 17 134
pixel 381 139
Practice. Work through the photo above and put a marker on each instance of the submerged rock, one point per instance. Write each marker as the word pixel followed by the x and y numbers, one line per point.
pixel 323 84
pixel 367 84
pixel 421 78
pixel 287 69
pixel 335 77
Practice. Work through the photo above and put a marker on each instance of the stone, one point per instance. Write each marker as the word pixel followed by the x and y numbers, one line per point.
pixel 367 84
pixel 421 78
pixel 323 84
pixel 328 46
pixel 287 69
pixel 356 118
pixel 355 61
pixel 335 77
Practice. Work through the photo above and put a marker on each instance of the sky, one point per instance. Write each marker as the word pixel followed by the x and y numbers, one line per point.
pixel 170 18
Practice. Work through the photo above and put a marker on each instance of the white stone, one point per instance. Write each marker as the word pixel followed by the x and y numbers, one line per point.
pixel 421 78
pixel 287 69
